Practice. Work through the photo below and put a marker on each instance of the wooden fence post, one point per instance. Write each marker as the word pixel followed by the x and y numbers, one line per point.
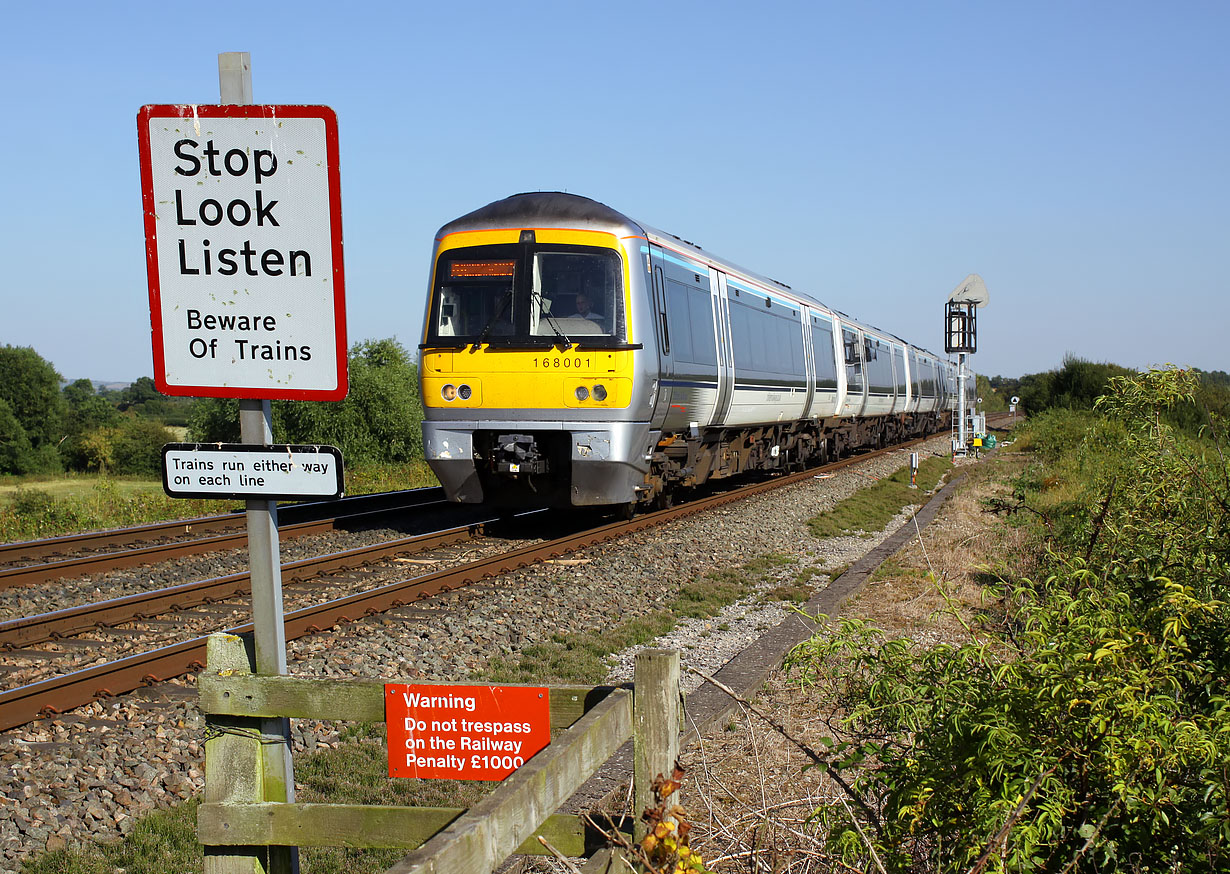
pixel 656 722
pixel 236 763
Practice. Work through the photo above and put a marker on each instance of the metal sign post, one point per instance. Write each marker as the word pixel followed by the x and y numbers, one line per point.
pixel 264 556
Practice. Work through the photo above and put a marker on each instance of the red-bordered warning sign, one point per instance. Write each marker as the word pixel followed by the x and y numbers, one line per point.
pixel 243 244
pixel 464 732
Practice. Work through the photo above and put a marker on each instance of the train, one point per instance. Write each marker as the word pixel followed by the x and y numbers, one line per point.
pixel 574 357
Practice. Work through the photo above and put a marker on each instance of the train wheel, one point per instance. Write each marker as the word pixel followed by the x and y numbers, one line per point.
pixel 624 512
pixel 665 500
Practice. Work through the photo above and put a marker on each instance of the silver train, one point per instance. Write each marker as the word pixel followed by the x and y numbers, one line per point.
pixel 574 357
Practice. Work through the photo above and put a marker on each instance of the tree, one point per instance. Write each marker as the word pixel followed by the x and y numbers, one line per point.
pixel 16 453
pixel 87 412
pixel 31 387
pixel 136 446
pixel 214 420
pixel 378 421
pixel 139 392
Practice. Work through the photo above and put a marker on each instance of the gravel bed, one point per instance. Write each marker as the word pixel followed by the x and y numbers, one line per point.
pixel 99 646
pixel 87 774
pixel 28 600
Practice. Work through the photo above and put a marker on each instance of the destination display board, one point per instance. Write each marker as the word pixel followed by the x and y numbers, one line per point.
pixel 283 472
pixel 464 732
pixel 243 241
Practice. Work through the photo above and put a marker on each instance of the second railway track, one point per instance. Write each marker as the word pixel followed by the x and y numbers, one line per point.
pixel 74 555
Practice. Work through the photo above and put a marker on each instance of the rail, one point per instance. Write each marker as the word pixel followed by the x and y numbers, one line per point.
pixel 246 822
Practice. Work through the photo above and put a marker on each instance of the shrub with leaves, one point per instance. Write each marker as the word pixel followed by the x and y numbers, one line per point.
pixel 1084 727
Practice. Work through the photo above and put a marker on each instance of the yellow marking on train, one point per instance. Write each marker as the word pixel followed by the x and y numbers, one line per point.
pixel 527 379
pixel 519 391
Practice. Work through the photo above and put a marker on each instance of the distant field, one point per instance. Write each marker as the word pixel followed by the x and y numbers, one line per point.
pixel 44 506
pixel 76 486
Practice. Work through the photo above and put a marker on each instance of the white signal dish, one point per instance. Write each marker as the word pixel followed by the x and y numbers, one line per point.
pixel 971 290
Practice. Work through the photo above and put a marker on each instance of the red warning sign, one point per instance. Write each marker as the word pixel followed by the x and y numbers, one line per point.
pixel 464 732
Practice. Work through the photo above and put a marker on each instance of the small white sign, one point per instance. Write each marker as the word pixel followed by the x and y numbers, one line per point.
pixel 237 470
pixel 243 244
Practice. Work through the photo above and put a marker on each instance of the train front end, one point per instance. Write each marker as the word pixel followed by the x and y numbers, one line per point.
pixel 534 384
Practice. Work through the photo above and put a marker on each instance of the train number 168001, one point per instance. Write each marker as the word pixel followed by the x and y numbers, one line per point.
pixel 563 362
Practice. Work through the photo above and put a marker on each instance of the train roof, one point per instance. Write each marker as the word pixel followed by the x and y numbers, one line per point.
pixel 561 209
pixel 543 209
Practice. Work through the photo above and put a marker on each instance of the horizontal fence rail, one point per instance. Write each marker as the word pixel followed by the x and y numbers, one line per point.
pixel 248 822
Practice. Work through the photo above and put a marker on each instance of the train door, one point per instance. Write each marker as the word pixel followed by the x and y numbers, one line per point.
pixel 665 363
pixel 852 342
pixel 725 350
pixel 898 375
pixel 809 365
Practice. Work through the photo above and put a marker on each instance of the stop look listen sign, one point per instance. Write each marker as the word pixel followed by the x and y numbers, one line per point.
pixel 243 238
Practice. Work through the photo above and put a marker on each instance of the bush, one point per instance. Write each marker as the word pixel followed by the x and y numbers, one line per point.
pixel 41 514
pixel 1087 727
pixel 1075 385
pixel 132 447
pixel 137 447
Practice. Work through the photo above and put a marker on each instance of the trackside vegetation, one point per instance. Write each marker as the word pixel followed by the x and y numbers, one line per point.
pixel 1082 725
pixel 869 510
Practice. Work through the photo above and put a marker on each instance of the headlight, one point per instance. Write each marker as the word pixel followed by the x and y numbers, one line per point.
pixel 582 393
pixel 449 392
pixel 600 392
pixel 464 392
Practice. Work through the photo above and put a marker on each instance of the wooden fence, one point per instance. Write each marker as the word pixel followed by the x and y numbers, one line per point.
pixel 248 826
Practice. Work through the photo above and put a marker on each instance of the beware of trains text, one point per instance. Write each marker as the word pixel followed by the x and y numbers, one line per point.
pixel 243 247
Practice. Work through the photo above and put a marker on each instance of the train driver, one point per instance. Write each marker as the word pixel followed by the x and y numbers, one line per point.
pixel 585 311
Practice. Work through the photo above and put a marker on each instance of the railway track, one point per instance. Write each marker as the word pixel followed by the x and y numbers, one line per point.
pixel 94 552
pixel 59 693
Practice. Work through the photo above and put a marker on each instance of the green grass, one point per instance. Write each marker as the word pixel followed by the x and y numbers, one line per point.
pixel 76 486
pixel 869 510
pixel 159 842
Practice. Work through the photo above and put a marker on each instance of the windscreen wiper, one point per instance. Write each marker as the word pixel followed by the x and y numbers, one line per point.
pixel 482 335
pixel 546 311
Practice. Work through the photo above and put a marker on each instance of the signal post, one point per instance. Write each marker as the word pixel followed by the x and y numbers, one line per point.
pixel 961 336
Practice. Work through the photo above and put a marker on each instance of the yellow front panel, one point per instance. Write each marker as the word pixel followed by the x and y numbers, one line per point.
pixel 538 379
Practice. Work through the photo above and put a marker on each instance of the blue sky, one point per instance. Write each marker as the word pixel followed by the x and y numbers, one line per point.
pixel 1076 154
